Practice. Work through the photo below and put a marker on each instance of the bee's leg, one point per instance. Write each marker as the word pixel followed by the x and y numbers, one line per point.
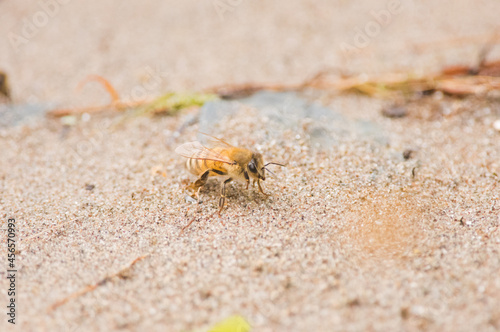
pixel 260 188
pixel 247 179
pixel 197 194
pixel 222 199
pixel 196 186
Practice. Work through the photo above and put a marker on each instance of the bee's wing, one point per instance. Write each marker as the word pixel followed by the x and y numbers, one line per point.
pixel 215 141
pixel 195 150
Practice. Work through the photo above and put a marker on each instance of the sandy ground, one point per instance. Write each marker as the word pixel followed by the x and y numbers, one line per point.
pixel 353 237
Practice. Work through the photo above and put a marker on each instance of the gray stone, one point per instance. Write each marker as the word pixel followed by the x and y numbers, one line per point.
pixel 13 115
pixel 287 110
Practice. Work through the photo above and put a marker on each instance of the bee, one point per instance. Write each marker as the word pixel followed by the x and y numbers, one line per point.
pixel 223 160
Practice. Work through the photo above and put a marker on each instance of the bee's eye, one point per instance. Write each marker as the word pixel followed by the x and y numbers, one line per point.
pixel 251 167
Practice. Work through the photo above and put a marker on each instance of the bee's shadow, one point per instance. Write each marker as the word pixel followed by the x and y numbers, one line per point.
pixel 235 192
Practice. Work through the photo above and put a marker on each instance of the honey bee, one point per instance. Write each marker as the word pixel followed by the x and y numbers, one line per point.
pixel 223 160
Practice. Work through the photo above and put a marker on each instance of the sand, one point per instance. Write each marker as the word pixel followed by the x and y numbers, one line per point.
pixel 353 236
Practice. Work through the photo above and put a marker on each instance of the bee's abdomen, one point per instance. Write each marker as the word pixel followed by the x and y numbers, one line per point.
pixel 199 166
pixel 195 166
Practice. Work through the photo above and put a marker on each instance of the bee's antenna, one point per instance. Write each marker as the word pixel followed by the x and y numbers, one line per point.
pixel 274 164
pixel 269 171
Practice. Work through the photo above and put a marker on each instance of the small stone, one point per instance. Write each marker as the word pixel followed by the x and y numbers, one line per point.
pixel 89 187
pixel 354 302
pixel 405 313
pixel 69 120
pixel 408 153
pixel 418 310
pixel 496 125
pixel 190 199
pixel 395 112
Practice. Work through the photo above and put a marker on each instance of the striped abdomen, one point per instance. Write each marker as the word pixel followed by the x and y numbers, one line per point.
pixel 199 166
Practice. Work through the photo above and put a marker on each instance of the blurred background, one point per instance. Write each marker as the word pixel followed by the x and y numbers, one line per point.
pixel 49 46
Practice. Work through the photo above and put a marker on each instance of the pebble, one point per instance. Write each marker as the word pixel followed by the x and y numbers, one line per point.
pixel 13 115
pixel 190 199
pixel 395 112
pixel 496 125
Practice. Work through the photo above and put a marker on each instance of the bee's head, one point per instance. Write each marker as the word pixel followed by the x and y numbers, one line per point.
pixel 256 168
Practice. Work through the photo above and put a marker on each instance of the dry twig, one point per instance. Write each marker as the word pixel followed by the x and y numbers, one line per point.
pixel 454 80
pixel 89 288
